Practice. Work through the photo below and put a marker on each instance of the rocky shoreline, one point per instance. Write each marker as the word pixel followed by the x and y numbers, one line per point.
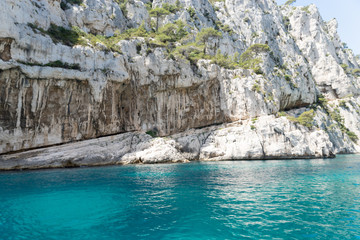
pixel 270 138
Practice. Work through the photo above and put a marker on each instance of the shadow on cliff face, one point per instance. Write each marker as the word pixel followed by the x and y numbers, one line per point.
pixel 38 112
pixel 5 46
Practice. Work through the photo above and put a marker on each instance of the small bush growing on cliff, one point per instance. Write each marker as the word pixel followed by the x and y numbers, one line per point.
pixel 132 32
pixel 344 66
pixel 256 88
pixel 122 5
pixel 287 78
pixel 225 61
pixel 323 103
pixel 206 33
pixel 191 11
pixel 259 48
pixel 352 136
pixel 196 51
pixel 69 37
pixel 148 6
pixel 172 32
pixel 173 8
pixel 356 72
pixel 66 36
pixel 191 51
pixel 306 118
pixel 286 21
pixel 250 60
pixel 306 9
pixel 289 2
pixel 226 28
pixel 342 104
pixel 223 27
pixel 204 36
pixel 281 114
pixel 335 115
pixel 152 133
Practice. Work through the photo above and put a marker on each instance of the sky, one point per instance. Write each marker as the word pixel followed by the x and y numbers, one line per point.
pixel 346 12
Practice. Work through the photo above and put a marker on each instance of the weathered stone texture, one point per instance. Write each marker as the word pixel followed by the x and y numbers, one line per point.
pixel 144 89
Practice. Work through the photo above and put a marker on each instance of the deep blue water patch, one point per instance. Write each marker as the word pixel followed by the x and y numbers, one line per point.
pixel 297 199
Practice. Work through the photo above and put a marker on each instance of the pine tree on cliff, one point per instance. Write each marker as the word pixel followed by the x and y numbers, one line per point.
pixel 158 12
pixel 205 34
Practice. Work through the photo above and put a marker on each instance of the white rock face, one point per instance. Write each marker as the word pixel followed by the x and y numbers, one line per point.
pixel 322 47
pixel 272 138
pixel 97 16
pixel 267 138
pixel 97 92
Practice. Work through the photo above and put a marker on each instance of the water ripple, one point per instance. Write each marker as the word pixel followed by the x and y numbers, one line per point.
pixel 300 199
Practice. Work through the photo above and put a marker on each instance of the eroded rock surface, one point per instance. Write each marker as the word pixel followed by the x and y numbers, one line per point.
pixel 271 138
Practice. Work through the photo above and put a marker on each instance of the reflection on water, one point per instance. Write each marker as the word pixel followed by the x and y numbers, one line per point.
pixel 299 199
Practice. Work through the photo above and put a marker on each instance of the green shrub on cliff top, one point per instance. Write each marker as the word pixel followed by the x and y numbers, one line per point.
pixel 289 2
pixel 306 9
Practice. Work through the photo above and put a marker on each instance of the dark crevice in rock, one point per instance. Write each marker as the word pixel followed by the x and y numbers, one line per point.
pixel 5 48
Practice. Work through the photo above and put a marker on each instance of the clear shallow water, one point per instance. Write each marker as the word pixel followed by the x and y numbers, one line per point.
pixel 298 199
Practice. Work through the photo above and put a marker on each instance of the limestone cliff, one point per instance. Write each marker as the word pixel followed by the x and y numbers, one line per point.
pixel 218 80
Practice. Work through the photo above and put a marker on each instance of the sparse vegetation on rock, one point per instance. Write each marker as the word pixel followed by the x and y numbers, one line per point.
pixel 289 2
pixel 306 118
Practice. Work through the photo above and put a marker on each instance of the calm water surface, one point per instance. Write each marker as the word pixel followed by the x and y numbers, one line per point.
pixel 298 199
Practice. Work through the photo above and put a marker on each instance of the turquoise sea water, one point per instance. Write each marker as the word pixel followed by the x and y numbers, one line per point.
pixel 297 199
